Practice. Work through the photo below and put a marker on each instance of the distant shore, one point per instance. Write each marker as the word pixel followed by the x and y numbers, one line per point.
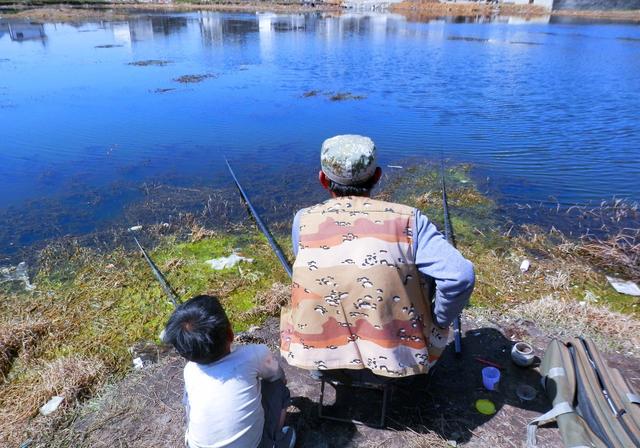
pixel 119 11
pixel 424 10
pixel 418 10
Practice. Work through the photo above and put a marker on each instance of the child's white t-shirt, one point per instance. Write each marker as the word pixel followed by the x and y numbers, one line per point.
pixel 224 403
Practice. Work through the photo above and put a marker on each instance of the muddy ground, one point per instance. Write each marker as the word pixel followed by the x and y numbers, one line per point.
pixel 145 410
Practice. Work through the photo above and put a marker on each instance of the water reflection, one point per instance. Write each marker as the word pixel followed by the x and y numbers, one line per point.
pixel 515 97
pixel 140 29
pixel 25 31
pixel 215 28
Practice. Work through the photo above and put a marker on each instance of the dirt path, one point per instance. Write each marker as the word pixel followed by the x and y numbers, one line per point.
pixel 145 410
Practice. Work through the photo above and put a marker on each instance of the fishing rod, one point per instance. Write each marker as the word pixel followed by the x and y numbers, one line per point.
pixel 158 274
pixel 448 233
pixel 261 225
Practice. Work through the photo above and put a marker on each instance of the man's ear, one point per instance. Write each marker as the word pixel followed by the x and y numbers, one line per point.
pixel 377 175
pixel 324 180
pixel 230 334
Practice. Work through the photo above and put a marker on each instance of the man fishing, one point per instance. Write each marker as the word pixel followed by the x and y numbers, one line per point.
pixel 364 273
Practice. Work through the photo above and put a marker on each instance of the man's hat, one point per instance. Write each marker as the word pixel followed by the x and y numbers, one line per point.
pixel 348 159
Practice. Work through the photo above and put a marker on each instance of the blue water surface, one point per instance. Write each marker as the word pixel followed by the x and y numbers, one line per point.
pixel 550 112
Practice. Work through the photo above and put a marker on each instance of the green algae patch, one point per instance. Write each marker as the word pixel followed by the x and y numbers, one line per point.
pixel 473 215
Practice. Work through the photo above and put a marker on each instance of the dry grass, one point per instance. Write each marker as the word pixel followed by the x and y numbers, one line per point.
pixel 410 439
pixel 567 318
pixel 199 233
pixel 620 252
pixel 430 8
pixel 17 337
pixel 72 378
pixel 269 302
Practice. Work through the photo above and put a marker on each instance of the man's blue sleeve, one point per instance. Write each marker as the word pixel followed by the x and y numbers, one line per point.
pixel 453 274
pixel 295 233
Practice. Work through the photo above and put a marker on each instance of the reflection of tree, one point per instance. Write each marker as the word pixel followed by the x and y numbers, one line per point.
pixel 211 28
pixel 168 24
pixel 140 29
pixel 26 31
pixel 240 28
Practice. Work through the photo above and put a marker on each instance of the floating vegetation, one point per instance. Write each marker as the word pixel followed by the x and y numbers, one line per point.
pixel 192 79
pixel 333 96
pixel 109 46
pixel 148 62
pixel 164 90
pixel 468 39
pixel 629 39
pixel 516 42
pixel 344 96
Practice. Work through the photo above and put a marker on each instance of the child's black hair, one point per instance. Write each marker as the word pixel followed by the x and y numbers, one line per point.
pixel 199 329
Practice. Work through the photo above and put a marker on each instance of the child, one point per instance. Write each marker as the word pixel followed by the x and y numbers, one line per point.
pixel 234 398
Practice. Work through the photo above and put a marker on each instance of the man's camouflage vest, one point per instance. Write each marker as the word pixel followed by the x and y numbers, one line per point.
pixel 358 300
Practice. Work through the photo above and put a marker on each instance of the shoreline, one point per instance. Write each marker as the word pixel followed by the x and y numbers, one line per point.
pixel 432 10
pixel 410 8
pixel 116 308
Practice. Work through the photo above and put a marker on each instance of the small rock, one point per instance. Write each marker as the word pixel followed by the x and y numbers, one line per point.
pixel 51 405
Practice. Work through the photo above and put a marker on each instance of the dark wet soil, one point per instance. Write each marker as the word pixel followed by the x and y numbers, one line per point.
pixel 146 410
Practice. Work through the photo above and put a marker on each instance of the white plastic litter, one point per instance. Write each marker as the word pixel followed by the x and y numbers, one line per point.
pixel 16 274
pixel 624 286
pixel 227 262
pixel 525 265
pixel 137 363
pixel 51 405
pixel 397 167
pixel 135 228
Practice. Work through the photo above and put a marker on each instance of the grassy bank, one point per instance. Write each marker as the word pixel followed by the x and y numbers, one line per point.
pixel 89 310
pixel 92 312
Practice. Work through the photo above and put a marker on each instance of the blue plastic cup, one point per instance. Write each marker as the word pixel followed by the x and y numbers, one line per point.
pixel 490 377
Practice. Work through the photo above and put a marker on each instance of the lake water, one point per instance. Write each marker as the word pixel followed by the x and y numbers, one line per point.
pixel 548 111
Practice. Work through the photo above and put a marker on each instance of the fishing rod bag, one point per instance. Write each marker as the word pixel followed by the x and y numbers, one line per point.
pixel 593 405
